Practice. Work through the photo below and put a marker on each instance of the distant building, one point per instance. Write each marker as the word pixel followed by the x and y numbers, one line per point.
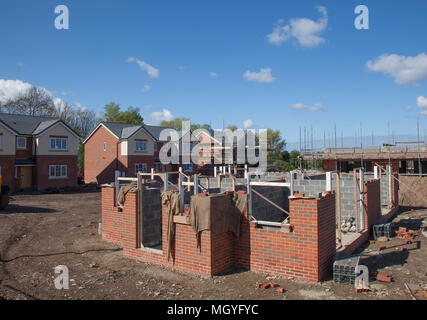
pixel 37 152
pixel 127 148
pixel 410 159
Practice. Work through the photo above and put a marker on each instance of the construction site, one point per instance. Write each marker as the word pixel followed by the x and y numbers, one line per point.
pixel 298 225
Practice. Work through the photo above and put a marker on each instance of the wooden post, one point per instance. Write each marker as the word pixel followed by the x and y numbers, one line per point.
pixel 356 211
pixel 292 183
pixel 376 172
pixel 361 198
pixel 328 181
pixel 140 216
pixel 116 186
pixel 249 191
pixel 196 184
pixel 181 192
pixel 166 181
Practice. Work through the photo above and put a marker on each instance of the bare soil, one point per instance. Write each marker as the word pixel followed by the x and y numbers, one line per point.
pixel 41 231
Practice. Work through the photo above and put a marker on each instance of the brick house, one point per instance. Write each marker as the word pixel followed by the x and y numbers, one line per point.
pixel 37 152
pixel 127 148
pixel 403 159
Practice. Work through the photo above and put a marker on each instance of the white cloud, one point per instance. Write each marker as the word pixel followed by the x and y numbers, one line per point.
pixel 404 70
pixel 10 89
pixel 424 112
pixel 305 31
pixel 164 115
pixel 300 106
pixel 144 66
pixel 20 64
pixel 213 74
pixel 247 124
pixel 146 88
pixel 421 102
pixel 263 76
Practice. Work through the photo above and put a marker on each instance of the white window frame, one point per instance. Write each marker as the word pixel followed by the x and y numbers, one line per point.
pixel 144 165
pixel 61 144
pixel 136 146
pixel 25 143
pixel 62 168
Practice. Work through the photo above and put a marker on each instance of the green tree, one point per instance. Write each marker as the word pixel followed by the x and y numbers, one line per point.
pixel 275 146
pixel 232 127
pixel 174 124
pixel 114 114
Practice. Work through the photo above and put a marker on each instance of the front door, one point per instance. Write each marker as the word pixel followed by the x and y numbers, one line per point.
pixel 26 177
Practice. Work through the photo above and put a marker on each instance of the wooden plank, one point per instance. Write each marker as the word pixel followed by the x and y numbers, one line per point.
pixel 270 184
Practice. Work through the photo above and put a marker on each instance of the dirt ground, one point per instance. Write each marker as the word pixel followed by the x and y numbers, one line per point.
pixel 41 231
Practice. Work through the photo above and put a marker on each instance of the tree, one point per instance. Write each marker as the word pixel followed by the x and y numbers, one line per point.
pixel 35 101
pixel 232 127
pixel 114 114
pixel 275 145
pixel 174 124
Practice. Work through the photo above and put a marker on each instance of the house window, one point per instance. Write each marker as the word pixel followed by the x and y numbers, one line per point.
pixel 155 146
pixel 105 146
pixel 141 146
pixel 58 143
pixel 1 142
pixel 57 171
pixel 21 143
pixel 140 167
pixel 0 170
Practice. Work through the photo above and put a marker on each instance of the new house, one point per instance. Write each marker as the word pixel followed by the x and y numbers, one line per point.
pixel 127 148
pixel 37 152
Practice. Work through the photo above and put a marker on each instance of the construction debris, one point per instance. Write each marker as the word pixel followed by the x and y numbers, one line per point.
pixel 349 225
pixel 362 287
pixel 384 277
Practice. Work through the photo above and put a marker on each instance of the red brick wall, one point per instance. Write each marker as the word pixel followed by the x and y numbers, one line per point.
pixel 132 160
pixel 7 163
pixel 42 171
pixel 329 165
pixel 372 203
pixel 306 253
pixel 25 153
pixel 99 165
pixel 120 227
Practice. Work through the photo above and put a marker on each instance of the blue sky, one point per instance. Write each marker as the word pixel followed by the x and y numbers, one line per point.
pixel 200 52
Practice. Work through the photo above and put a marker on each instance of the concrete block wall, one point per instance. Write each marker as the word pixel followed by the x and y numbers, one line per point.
pixel 151 217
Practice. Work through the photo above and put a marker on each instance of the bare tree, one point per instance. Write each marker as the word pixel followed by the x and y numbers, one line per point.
pixel 35 101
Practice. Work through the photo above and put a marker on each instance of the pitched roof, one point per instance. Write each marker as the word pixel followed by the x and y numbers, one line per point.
pixel 26 125
pixel 125 131
pixel 30 125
